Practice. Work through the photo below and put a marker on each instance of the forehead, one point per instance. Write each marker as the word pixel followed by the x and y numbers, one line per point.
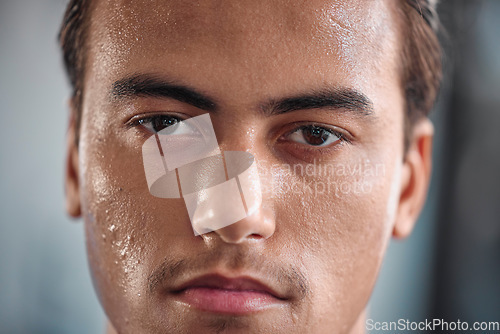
pixel 249 40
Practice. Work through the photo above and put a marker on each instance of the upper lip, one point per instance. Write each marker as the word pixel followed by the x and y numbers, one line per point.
pixel 240 283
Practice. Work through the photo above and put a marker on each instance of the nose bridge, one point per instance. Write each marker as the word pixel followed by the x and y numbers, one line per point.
pixel 237 129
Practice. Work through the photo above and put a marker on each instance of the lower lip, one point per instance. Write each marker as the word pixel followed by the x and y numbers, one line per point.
pixel 228 301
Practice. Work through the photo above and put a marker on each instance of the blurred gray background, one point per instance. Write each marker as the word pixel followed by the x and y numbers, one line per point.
pixel 449 268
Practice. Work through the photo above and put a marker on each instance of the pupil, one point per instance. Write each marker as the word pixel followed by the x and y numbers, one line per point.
pixel 163 122
pixel 316 135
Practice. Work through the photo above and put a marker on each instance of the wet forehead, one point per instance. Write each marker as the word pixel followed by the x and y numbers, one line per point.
pixel 330 26
pixel 251 38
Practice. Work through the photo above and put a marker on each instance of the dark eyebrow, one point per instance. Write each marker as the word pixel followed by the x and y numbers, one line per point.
pixel 333 98
pixel 144 85
pixel 147 85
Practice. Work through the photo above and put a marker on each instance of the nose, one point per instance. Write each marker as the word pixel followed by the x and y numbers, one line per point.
pixel 260 225
pixel 224 194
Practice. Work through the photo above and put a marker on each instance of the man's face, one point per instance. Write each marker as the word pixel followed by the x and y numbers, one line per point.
pixel 287 80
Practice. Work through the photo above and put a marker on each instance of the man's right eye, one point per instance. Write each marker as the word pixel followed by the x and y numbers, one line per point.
pixel 155 124
pixel 164 124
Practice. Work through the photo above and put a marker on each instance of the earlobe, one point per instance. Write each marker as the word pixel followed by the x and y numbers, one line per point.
pixel 72 186
pixel 415 178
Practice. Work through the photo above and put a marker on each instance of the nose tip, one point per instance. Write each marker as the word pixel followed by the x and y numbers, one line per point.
pixel 260 225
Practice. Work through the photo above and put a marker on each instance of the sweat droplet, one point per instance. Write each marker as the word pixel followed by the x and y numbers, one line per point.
pixel 112 228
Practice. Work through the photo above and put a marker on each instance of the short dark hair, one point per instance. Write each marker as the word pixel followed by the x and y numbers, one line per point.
pixel 421 65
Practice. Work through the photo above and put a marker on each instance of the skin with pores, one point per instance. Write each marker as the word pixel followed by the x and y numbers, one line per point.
pixel 320 252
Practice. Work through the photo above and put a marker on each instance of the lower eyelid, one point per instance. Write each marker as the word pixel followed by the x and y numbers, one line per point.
pixel 307 154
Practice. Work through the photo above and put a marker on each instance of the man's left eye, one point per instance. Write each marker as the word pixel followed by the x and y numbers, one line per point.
pixel 314 136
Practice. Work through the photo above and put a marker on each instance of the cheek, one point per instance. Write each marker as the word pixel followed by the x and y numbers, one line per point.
pixel 114 244
pixel 340 225
pixel 125 226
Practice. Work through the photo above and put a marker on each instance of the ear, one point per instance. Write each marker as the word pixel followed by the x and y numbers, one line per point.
pixel 415 178
pixel 72 186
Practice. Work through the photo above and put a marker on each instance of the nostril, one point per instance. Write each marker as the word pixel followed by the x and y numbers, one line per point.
pixel 255 236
